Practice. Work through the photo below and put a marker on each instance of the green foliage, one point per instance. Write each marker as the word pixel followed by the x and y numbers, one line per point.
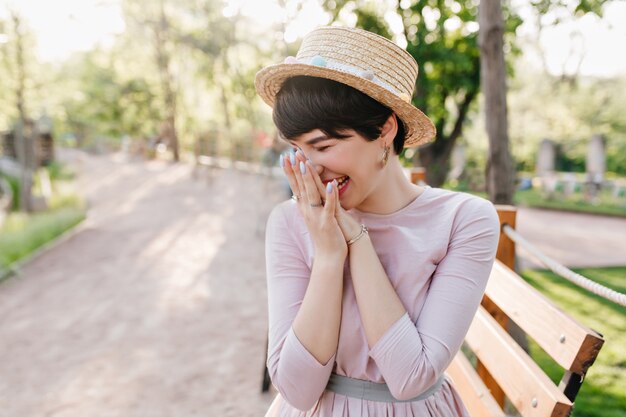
pixel 59 171
pixel 616 156
pixel 211 61
pixel 22 234
pixel 571 116
pixel 107 93
pixel 577 8
pixel 606 203
pixel 602 393
pixel 16 29
pixel 21 238
pixel 15 188
pixel 443 39
pixel 107 103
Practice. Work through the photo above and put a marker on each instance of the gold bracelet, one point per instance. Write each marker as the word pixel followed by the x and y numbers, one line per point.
pixel 363 232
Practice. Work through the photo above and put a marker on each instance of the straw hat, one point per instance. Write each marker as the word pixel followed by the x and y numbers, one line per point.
pixel 363 60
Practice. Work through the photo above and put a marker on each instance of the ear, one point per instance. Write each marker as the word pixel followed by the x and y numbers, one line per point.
pixel 389 130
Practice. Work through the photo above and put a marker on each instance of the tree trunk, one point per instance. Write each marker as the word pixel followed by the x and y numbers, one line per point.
pixel 24 147
pixel 163 63
pixel 435 156
pixel 435 163
pixel 22 144
pixel 500 172
pixel 227 122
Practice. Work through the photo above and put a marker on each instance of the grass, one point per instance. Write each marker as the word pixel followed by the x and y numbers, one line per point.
pixel 607 204
pixel 603 393
pixel 59 171
pixel 24 233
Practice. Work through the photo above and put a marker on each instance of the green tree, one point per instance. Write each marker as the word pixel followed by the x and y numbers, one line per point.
pixel 107 104
pixel 500 173
pixel 18 60
pixel 443 38
pixel 192 41
pixel 572 115
pixel 156 21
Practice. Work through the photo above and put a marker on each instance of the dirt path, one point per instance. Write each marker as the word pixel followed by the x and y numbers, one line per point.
pixel 574 239
pixel 156 308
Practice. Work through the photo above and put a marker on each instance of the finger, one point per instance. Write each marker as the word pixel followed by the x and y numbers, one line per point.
pixel 318 181
pixel 331 202
pixel 288 170
pixel 289 173
pixel 321 189
pixel 338 207
pixel 310 187
pixel 298 176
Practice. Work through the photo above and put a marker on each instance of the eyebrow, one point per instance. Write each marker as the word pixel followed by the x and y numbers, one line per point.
pixel 317 140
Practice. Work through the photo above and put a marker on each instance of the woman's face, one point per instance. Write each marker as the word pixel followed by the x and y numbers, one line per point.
pixel 353 161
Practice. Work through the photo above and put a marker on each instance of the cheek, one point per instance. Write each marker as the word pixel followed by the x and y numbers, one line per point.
pixel 337 161
pixel 356 162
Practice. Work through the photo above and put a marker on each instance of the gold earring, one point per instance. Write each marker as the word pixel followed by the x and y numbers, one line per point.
pixel 385 156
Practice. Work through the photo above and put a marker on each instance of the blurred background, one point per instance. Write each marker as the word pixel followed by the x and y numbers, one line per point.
pixel 136 158
pixel 172 79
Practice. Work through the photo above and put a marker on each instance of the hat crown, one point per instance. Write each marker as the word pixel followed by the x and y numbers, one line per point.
pixel 363 51
pixel 362 60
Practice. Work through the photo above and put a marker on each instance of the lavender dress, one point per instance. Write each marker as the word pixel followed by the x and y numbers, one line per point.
pixel 437 252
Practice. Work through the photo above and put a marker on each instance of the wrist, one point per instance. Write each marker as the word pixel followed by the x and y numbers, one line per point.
pixel 352 232
pixel 361 233
pixel 330 259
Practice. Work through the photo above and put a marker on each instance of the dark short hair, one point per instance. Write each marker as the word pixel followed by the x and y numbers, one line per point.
pixel 306 103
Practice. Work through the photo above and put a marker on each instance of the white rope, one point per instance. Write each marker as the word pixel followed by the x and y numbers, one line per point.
pixel 566 273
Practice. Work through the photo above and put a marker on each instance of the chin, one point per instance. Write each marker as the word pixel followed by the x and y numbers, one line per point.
pixel 349 204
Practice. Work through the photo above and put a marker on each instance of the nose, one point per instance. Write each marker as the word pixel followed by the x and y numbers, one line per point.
pixel 317 167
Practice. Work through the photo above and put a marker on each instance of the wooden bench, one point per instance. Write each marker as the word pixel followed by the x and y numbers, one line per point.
pixel 504 369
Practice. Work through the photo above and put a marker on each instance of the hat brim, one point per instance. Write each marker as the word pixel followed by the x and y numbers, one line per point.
pixel 419 128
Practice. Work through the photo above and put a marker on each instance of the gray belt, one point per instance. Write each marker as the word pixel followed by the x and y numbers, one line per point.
pixel 368 390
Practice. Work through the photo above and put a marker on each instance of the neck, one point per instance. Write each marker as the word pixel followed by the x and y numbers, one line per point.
pixel 393 192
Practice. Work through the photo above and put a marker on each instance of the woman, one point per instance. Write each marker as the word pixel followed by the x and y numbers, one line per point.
pixel 372 281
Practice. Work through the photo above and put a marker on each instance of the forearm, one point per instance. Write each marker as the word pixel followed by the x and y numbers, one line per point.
pixel 317 323
pixel 379 305
pixel 394 344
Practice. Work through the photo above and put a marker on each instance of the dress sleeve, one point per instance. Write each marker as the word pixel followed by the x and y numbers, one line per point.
pixel 411 356
pixel 295 373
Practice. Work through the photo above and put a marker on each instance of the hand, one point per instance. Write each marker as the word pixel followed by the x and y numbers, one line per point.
pixel 318 212
pixel 348 225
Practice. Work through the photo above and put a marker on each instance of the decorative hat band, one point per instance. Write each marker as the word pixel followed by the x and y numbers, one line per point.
pixel 369 75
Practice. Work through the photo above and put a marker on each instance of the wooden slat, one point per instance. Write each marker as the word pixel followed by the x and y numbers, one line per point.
pixel 506 247
pixel 481 369
pixel 475 394
pixel 532 393
pixel 572 345
pixel 418 175
pixel 505 254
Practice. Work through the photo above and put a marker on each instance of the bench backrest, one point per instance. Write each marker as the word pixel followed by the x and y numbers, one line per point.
pixel 504 369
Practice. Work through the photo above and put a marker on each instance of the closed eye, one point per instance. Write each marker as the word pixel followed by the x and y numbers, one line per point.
pixel 322 148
